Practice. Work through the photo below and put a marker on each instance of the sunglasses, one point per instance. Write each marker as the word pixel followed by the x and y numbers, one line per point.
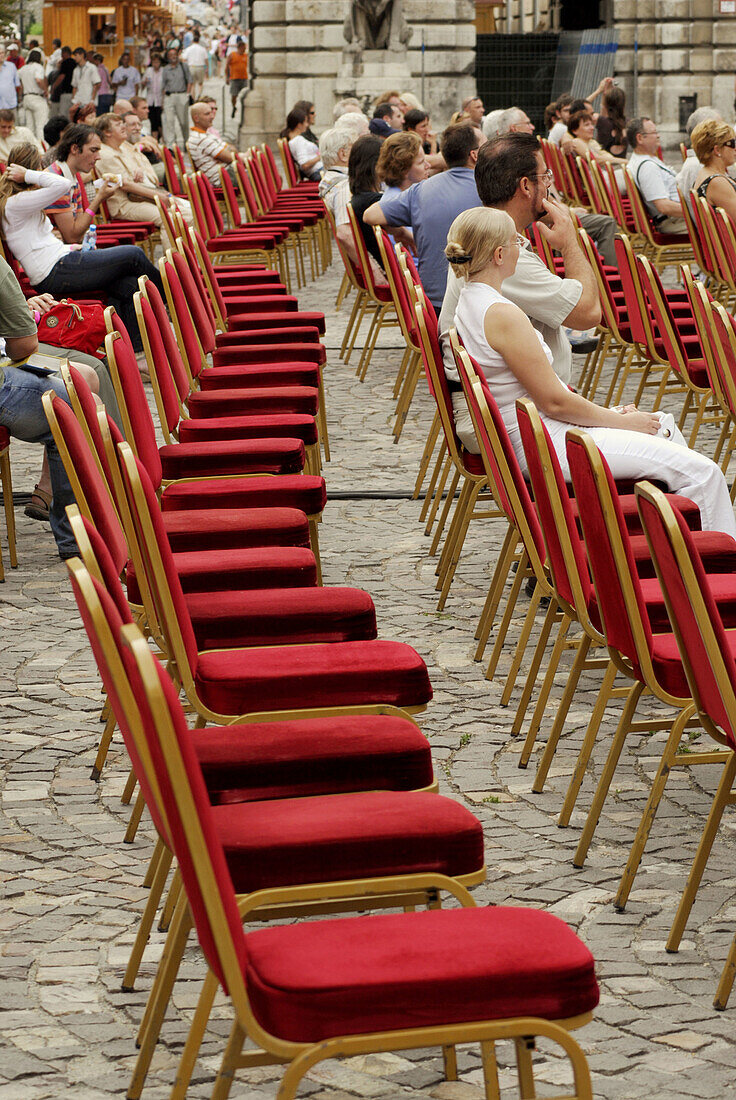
pixel 729 144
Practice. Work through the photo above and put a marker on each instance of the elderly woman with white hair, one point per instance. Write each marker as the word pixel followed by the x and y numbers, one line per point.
pixel 334 188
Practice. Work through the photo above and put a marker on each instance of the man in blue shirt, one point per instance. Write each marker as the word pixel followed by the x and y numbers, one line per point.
pixel 430 207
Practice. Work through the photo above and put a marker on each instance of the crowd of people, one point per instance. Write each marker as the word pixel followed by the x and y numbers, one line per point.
pixel 393 170
pixel 169 73
pixel 479 187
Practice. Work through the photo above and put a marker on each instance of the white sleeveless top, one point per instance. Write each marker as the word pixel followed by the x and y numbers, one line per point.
pixel 475 301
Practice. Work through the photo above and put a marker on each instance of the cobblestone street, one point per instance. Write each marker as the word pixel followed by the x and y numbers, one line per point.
pixel 72 889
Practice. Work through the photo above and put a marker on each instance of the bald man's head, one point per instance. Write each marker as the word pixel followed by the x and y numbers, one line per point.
pixel 122 107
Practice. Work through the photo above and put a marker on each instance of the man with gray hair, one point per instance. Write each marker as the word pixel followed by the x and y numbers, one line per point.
pixel 346 106
pixel 334 189
pixel 355 122
pixel 685 178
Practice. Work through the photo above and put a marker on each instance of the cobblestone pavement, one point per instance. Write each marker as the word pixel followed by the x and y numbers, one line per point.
pixel 73 890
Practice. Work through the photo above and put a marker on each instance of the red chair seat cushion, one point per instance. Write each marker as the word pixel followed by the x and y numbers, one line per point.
pixel 258 401
pixel 234 456
pixel 307 493
pixel 258 374
pixel 242 681
pixel 314 980
pixel 670 238
pixel 295 345
pixel 232 528
pixel 261 240
pixel 717 552
pixel 305 318
pixel 473 463
pixel 353 752
pixel 217 573
pixel 4 438
pixel 275 426
pixel 688 508
pixel 277 615
pixel 723 587
pixel 287 842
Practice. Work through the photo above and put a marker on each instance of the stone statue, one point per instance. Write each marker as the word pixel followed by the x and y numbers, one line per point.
pixel 376 25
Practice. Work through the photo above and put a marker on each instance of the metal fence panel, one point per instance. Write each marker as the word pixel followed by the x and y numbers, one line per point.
pixel 516 70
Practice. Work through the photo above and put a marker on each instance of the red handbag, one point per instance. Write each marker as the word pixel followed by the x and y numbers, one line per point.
pixel 74 326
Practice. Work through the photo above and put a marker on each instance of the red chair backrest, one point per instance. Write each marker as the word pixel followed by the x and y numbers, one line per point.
pixel 197 297
pixel 139 427
pixel 188 790
pixel 272 168
pixel 162 330
pixel 170 399
pixel 619 597
pixel 96 492
pixel 249 195
pixel 632 293
pixel 552 535
pixel 119 679
pixel 694 615
pixel 158 559
pixel 231 198
pixel 172 175
pixel 209 201
pixel 193 338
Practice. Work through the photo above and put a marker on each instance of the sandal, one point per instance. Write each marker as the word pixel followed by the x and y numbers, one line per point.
pixel 39 504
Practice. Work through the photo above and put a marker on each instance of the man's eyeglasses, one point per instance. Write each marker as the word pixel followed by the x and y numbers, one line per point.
pixel 547 176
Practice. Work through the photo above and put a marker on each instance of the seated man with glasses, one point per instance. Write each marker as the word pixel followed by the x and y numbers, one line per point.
pixel 511 175
pixel 655 180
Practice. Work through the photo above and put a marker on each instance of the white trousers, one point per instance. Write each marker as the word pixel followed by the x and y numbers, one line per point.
pixel 36 110
pixel 632 455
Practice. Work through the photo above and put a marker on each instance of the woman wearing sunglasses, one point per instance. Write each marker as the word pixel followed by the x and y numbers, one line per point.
pixel 714 145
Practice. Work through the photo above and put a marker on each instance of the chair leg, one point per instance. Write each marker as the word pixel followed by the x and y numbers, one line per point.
pixel 197 1029
pixel 172 898
pixel 725 985
pixel 722 798
pixel 322 419
pixel 135 819
pixel 103 747
pixel 7 481
pixel 224 1079
pixel 490 1070
pixel 543 696
pixel 650 810
pixel 607 774
pixel 524 1068
pixel 495 590
pixel 314 544
pixel 159 997
pixel 443 520
pixel 521 576
pixel 130 785
pixel 521 644
pixel 434 431
pixel 553 613
pixel 438 492
pixel 562 711
pixel 146 922
pixel 581 764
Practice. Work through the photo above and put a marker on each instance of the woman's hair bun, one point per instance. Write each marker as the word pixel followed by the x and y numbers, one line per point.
pixel 456 254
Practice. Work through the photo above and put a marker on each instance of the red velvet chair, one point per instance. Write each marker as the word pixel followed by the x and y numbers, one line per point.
pixel 172 392
pixel 319 989
pixel 224 683
pixel 651 659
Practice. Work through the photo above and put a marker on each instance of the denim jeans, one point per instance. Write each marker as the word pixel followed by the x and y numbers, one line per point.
pixel 112 271
pixel 21 412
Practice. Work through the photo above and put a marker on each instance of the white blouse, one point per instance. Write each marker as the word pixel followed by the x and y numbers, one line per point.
pixel 28 232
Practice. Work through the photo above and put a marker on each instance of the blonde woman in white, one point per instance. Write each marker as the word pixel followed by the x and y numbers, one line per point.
pixel 483 247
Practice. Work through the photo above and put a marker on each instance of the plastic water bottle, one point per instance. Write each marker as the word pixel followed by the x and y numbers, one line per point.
pixel 89 241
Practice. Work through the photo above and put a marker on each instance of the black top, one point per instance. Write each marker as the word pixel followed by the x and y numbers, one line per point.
pixel 360 204
pixel 613 141
pixel 66 68
pixel 702 188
